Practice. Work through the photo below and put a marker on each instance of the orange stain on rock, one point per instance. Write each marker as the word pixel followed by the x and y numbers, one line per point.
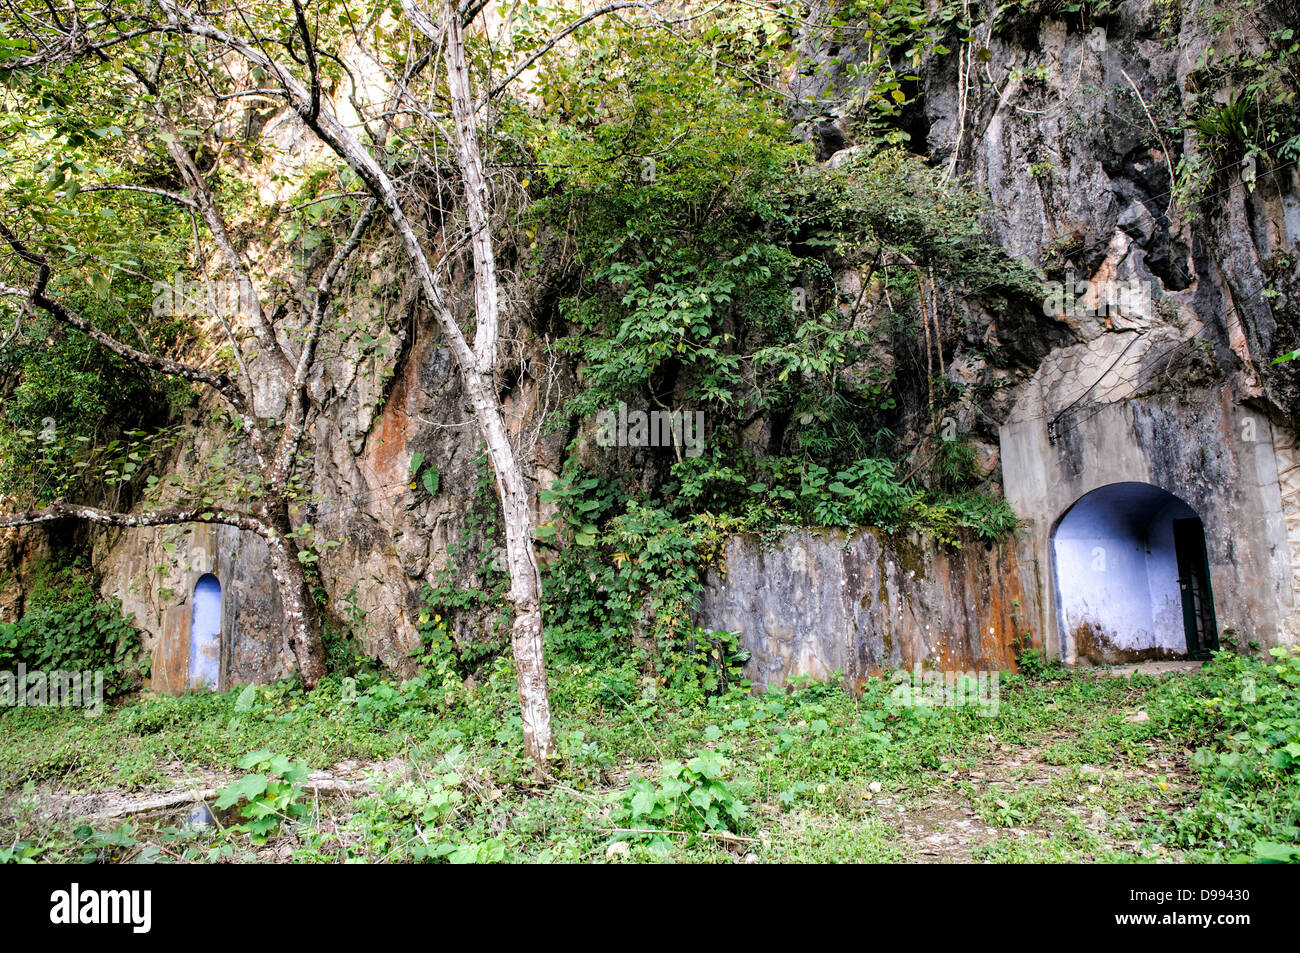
pixel 391 432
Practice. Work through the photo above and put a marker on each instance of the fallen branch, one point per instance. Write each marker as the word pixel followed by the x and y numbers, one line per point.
pixel 161 802
pixel 717 835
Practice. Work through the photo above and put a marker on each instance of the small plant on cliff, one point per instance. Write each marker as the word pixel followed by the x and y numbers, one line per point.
pixel 1255 130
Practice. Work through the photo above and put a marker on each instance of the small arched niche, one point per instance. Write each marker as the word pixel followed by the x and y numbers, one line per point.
pixel 205 634
pixel 1132 578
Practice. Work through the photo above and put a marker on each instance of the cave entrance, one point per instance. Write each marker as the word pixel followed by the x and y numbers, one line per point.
pixel 1132 578
pixel 205 634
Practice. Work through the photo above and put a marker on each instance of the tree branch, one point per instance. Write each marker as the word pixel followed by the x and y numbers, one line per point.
pixel 164 517
pixel 36 297
pixel 203 200
pixel 296 421
pixel 123 187
pixel 75 47
pixel 310 50
pixel 346 145
pixel 547 46
pixel 470 157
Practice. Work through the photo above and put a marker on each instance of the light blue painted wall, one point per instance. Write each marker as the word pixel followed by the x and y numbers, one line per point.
pixel 1116 567
pixel 205 634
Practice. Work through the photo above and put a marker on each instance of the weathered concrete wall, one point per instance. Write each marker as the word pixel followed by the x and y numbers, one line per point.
pixel 817 602
pixel 1214 454
pixel 155 574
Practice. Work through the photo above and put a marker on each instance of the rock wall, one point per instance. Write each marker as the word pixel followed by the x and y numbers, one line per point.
pixel 1051 121
pixel 821 602
pixel 1288 477
pixel 20 554
pixel 1064 126
pixel 1059 125
pixel 1156 366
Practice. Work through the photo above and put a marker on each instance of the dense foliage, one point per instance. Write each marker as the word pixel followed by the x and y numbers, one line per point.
pixel 697 256
pixel 63 393
pixel 1242 716
pixel 67 627
pixel 700 248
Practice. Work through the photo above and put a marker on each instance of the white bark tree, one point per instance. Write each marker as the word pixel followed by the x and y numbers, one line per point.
pixel 295 77
pixel 475 363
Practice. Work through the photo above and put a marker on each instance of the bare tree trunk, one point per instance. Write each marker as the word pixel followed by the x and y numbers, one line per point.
pixel 477 202
pixel 525 577
pixel 300 616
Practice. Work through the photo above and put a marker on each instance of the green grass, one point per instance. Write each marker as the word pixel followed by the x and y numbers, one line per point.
pixel 1066 771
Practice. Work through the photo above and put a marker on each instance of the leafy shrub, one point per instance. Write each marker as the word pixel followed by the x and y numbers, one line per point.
pixel 67 627
pixel 1242 715
pixel 631 569
pixel 692 797
pixel 701 662
pixel 868 492
pixel 271 794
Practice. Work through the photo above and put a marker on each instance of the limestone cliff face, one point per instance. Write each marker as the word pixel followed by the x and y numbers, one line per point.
pixel 1063 126
pixel 387 393
pixel 1058 126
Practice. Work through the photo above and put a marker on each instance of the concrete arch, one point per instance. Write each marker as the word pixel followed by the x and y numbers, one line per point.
pixel 1132 578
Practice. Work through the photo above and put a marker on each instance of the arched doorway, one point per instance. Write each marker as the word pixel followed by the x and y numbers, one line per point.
pixel 1132 578
pixel 205 634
